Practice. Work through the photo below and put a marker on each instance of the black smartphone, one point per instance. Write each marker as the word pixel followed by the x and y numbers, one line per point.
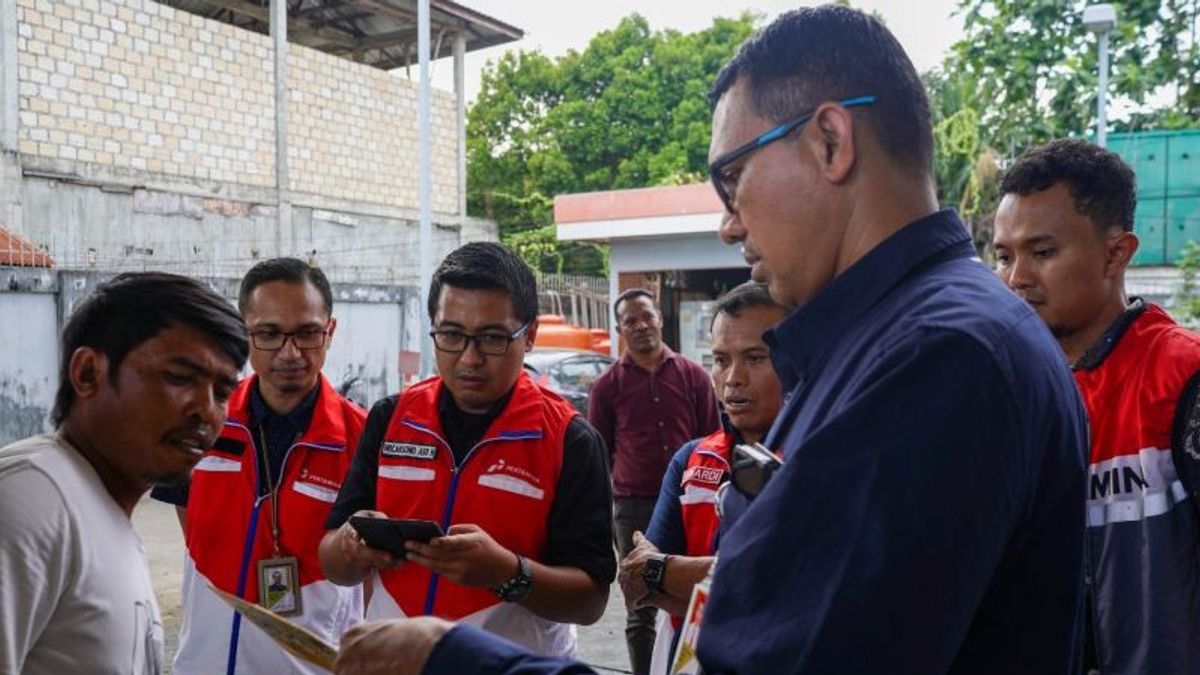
pixel 389 535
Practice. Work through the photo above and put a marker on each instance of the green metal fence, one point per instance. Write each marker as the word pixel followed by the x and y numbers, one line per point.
pixel 1167 164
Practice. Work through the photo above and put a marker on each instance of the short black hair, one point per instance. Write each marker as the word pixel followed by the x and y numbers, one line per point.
pixel 629 295
pixel 743 296
pixel 1102 185
pixel 487 265
pixel 132 308
pixel 291 270
pixel 815 54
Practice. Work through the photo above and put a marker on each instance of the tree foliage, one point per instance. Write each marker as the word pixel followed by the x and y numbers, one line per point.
pixel 630 110
pixel 1033 66
pixel 1187 300
pixel 965 167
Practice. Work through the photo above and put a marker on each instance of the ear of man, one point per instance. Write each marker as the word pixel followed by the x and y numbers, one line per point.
pixel 1119 249
pixel 88 371
pixel 833 144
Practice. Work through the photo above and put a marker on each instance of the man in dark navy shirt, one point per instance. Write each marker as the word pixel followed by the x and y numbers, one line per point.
pixel 928 516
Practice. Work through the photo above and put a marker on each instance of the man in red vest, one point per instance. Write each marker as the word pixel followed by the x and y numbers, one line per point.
pixel 1063 239
pixel 517 479
pixel 678 548
pixel 255 507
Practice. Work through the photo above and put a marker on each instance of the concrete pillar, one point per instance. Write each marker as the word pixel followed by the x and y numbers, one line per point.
pixel 285 236
pixel 425 189
pixel 460 96
pixel 10 102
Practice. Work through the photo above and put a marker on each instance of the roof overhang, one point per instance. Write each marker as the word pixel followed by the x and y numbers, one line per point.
pixel 381 33
pixel 675 210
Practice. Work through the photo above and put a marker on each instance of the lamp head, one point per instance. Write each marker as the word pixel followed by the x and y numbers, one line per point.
pixel 1099 18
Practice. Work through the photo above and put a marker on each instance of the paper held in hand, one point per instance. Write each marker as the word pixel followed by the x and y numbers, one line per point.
pixel 686 662
pixel 296 640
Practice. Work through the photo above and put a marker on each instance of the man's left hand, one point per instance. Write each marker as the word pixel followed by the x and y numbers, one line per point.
pixel 630 577
pixel 467 555
pixel 397 647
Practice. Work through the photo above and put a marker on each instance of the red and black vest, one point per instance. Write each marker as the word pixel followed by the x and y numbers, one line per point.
pixel 228 525
pixel 506 485
pixel 707 467
pixel 1144 541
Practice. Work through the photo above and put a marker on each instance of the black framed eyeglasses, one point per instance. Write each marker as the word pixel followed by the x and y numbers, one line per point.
pixel 726 183
pixel 272 340
pixel 489 343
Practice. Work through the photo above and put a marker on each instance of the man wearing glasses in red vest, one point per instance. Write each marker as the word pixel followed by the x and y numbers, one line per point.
pixel 513 475
pixel 254 508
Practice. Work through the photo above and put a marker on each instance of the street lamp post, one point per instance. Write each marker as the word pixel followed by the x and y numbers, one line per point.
pixel 1100 19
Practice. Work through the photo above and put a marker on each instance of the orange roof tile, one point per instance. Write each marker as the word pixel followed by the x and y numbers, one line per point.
pixel 16 251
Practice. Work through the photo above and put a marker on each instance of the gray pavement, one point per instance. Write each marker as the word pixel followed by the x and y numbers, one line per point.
pixel 601 645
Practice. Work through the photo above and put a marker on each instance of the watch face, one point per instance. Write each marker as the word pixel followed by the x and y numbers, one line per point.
pixel 519 586
pixel 652 573
pixel 516 589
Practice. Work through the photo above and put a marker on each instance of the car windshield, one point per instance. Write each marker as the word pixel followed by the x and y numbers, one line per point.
pixel 540 361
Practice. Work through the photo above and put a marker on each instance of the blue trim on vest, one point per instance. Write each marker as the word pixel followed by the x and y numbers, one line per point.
pixel 247 550
pixel 318 446
pixel 516 435
pixel 421 427
pixel 431 594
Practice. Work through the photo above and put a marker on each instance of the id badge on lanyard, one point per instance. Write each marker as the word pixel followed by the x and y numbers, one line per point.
pixel 278 576
pixel 279 585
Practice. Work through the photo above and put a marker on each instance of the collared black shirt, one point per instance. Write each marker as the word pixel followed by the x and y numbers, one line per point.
pixel 279 430
pixel 1096 354
pixel 463 430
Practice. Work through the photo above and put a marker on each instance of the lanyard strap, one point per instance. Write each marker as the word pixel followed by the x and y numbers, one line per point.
pixel 272 487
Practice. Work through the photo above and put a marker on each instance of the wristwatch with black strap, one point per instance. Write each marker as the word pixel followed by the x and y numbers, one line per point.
pixel 654 572
pixel 518 587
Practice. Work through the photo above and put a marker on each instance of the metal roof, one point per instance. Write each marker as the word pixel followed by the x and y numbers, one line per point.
pixel 381 33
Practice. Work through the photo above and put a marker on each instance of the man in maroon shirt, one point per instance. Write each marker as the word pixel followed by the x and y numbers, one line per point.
pixel 645 406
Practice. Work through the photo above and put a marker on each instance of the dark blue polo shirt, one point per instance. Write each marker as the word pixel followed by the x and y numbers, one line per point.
pixel 929 515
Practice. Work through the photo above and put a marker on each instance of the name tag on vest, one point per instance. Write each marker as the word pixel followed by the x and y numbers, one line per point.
pixel 409 450
pixel 703 474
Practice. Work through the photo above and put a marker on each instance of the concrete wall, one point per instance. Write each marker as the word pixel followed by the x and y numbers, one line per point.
pixel 144 138
pixel 364 358
pixel 353 134
pixel 28 361
pixel 108 228
pixel 138 85
pixel 120 86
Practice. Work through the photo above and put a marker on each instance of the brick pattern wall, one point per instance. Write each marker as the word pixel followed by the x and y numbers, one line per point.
pixel 136 85
pixel 353 133
pixel 139 85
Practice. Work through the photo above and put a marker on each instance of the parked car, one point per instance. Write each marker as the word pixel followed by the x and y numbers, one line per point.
pixel 569 372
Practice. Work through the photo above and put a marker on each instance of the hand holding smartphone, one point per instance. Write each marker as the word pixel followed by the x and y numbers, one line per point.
pixel 389 535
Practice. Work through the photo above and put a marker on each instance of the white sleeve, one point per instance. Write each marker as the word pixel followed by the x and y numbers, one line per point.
pixel 37 561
